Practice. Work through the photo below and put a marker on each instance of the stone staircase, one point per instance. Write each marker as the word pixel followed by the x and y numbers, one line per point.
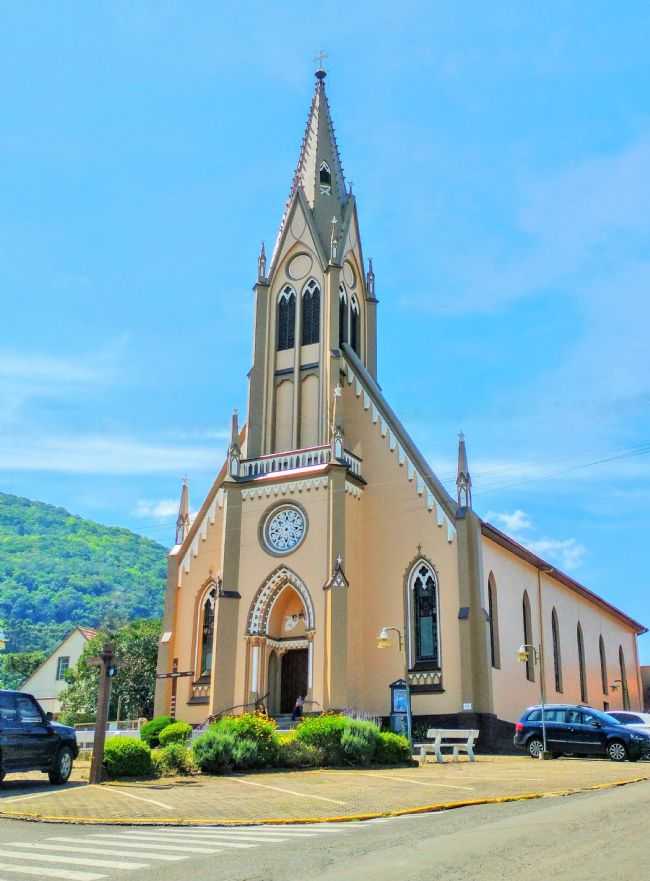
pixel 284 721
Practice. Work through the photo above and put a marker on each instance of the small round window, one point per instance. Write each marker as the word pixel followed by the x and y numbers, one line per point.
pixel 284 529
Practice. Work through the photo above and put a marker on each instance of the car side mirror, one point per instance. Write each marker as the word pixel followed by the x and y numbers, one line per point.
pixel 49 717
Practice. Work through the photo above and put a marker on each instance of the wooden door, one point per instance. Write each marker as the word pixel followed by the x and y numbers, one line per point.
pixel 294 678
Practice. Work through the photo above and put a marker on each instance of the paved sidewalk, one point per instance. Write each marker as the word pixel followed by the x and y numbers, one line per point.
pixel 296 796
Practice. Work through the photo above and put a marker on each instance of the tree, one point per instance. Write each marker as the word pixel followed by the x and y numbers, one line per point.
pixel 15 667
pixel 136 649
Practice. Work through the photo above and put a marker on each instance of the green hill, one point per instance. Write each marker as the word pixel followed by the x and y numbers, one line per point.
pixel 58 570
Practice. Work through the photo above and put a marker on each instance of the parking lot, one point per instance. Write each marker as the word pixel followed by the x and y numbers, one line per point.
pixel 302 795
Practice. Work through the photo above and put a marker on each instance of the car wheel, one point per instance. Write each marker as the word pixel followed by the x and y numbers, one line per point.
pixel 62 767
pixel 616 751
pixel 535 747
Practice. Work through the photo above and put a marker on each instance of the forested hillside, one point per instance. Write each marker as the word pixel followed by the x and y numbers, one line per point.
pixel 58 570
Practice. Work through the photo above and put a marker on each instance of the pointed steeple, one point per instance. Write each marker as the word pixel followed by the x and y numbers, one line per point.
pixel 183 520
pixel 319 172
pixel 234 451
pixel 463 478
pixel 261 266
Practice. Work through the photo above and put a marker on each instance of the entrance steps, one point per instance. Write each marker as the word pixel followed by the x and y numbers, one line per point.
pixel 284 722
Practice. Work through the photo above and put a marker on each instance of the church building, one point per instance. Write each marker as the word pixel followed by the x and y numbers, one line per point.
pixel 325 524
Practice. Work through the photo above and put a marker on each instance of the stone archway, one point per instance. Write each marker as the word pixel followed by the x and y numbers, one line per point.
pixel 260 610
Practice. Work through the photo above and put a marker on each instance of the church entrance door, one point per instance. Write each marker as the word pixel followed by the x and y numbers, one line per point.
pixel 294 678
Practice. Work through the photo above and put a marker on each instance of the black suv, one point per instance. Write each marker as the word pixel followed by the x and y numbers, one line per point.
pixel 579 731
pixel 30 741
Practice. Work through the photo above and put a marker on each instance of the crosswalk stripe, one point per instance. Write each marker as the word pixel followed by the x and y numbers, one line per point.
pixel 149 845
pixel 152 836
pixel 108 851
pixel 251 830
pixel 75 861
pixel 218 837
pixel 47 872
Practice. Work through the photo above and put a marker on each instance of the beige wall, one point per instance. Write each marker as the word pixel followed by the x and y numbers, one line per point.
pixel 512 691
pixel 43 683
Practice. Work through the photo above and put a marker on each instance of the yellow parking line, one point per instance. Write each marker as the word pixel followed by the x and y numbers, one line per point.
pixel 286 791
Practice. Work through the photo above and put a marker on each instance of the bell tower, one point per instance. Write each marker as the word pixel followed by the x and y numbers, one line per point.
pixel 314 295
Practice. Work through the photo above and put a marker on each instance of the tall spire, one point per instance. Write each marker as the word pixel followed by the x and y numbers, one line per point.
pixel 319 172
pixel 234 451
pixel 183 520
pixel 463 478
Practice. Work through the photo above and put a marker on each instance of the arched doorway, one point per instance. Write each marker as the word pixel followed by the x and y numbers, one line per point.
pixel 281 627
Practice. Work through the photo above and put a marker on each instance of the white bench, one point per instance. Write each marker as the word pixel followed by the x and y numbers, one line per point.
pixel 458 740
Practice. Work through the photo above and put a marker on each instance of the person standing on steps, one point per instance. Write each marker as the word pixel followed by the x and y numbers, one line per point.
pixel 297 708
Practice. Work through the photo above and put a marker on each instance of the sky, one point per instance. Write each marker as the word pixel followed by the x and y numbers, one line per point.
pixel 500 155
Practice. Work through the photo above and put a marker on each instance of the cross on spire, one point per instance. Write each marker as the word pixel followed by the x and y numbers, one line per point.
pixel 319 61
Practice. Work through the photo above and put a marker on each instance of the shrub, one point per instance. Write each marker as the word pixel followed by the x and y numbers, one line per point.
pixel 296 754
pixel 324 732
pixel 150 731
pixel 177 732
pixel 359 742
pixel 392 749
pixel 175 758
pixel 214 750
pixel 258 729
pixel 127 757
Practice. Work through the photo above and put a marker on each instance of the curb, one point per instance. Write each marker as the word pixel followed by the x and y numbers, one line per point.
pixel 302 821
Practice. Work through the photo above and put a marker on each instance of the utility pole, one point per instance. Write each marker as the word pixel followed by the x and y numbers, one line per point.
pixel 105 662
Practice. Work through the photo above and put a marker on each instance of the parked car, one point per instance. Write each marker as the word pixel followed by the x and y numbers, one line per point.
pixel 581 731
pixel 31 741
pixel 638 721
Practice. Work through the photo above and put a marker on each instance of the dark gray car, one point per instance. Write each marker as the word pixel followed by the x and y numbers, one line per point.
pixel 30 741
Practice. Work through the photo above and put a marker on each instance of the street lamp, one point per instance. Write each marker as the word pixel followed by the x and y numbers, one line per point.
pixel 524 653
pixel 385 641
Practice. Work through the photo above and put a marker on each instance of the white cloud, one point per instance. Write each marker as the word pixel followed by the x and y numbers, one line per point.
pixel 568 552
pixel 164 509
pixel 105 454
pixel 514 522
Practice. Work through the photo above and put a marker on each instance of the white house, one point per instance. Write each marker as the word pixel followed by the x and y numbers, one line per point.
pixel 48 681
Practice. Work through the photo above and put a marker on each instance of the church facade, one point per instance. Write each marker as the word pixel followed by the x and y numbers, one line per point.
pixel 326 524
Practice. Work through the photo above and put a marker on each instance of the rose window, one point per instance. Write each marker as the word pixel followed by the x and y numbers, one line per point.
pixel 284 529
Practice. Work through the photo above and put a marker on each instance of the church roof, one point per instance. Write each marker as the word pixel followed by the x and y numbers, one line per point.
pixel 509 544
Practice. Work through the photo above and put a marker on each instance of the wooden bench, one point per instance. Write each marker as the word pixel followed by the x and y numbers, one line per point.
pixel 458 740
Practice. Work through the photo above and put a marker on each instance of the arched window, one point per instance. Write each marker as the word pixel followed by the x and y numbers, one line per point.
pixel 343 315
pixel 286 319
pixel 207 633
pixel 354 324
pixel 528 638
pixel 603 665
pixel 424 625
pixel 310 313
pixel 493 612
pixel 325 178
pixel 557 653
pixel 581 665
pixel 621 664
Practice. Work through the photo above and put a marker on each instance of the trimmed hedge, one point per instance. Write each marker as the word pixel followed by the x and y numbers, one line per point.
pixel 175 758
pixel 177 732
pixel 241 742
pixel 324 732
pixel 127 757
pixel 296 754
pixel 150 731
pixel 392 749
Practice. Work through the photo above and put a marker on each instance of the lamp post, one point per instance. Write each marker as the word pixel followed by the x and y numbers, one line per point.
pixel 523 656
pixel 384 641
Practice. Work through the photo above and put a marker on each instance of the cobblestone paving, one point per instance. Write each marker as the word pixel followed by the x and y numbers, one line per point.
pixel 307 794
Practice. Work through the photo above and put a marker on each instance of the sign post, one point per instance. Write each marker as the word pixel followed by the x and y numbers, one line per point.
pixel 105 662
pixel 175 675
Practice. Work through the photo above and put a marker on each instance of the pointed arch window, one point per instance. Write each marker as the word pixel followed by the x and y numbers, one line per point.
pixel 311 313
pixel 286 319
pixel 325 178
pixel 621 664
pixel 557 653
pixel 581 665
pixel 343 315
pixel 354 324
pixel 425 643
pixel 207 633
pixel 603 665
pixel 493 612
pixel 528 637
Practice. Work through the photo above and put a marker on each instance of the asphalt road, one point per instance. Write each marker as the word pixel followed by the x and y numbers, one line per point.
pixel 595 835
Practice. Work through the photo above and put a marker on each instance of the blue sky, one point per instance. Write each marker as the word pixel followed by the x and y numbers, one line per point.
pixel 501 159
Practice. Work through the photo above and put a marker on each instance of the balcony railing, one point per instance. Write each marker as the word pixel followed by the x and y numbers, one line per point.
pixel 294 460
